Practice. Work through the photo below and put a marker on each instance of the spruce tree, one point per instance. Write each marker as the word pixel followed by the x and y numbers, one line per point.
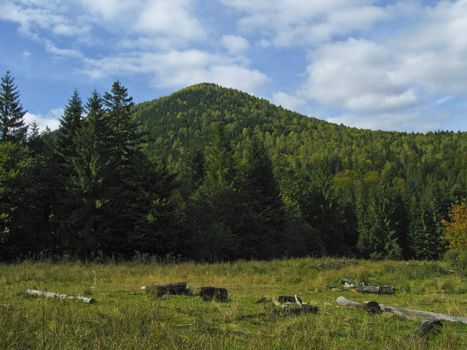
pixel 70 123
pixel 12 126
pixel 121 204
pixel 90 175
pixel 34 132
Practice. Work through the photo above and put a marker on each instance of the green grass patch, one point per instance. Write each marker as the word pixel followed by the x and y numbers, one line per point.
pixel 125 317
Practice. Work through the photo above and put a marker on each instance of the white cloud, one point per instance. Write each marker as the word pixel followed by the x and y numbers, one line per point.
pixel 164 23
pixel 52 48
pixel 169 17
pixel 388 122
pixel 398 74
pixel 109 9
pixel 301 23
pixel 26 55
pixel 33 16
pixel 264 43
pixel 357 75
pixel 179 68
pixel 51 120
pixel 235 44
pixel 288 101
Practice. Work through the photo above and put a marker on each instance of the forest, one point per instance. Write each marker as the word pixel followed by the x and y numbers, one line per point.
pixel 214 174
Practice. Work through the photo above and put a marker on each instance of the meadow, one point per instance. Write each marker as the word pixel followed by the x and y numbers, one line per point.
pixel 125 317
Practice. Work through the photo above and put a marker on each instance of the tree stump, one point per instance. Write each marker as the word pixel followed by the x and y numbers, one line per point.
pixel 429 327
pixel 214 294
pixel 172 289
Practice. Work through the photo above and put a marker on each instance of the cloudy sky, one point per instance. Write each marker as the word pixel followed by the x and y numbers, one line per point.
pixel 378 64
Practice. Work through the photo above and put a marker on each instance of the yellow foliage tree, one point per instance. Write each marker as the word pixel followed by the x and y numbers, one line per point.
pixel 455 230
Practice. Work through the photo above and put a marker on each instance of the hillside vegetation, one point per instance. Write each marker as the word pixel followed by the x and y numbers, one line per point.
pixel 371 193
pixel 214 174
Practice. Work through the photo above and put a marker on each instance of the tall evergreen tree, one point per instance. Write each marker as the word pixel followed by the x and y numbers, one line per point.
pixel 121 196
pixel 90 171
pixel 126 134
pixel 64 155
pixel 70 123
pixel 12 127
pixel 33 131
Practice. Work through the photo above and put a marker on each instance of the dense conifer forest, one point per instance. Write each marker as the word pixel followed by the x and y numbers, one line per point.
pixel 212 174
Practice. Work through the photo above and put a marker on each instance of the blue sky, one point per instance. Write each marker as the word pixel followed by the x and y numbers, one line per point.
pixel 391 65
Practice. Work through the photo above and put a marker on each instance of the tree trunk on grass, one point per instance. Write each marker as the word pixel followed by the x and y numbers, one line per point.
pixel 406 313
pixel 39 293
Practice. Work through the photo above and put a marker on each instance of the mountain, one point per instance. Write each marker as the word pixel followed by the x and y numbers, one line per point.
pixel 371 193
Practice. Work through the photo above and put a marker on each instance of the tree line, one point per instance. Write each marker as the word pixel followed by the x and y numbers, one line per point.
pixel 214 174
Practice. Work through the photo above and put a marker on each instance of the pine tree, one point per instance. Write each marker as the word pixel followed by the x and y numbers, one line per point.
pixel 70 124
pixel 12 126
pixel 121 196
pixel 34 132
pixel 90 171
pixel 125 130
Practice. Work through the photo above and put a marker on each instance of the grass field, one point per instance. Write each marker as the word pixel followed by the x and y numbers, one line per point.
pixel 125 317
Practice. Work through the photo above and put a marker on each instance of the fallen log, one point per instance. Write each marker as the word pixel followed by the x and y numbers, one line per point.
pixel 376 289
pixel 348 284
pixel 297 310
pixel 289 299
pixel 293 306
pixel 38 293
pixel 402 312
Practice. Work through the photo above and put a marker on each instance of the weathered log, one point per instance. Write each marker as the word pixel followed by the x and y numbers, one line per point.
pixel 45 294
pixel 290 309
pixel 293 305
pixel 402 312
pixel 213 293
pixel 178 288
pixel 376 289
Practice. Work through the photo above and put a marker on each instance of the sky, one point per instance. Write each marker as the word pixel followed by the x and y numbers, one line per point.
pixel 387 65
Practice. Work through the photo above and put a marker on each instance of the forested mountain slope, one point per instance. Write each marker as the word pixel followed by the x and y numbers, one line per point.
pixel 213 174
pixel 371 193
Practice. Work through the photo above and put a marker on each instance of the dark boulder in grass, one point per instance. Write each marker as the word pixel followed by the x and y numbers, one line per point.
pixel 214 294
